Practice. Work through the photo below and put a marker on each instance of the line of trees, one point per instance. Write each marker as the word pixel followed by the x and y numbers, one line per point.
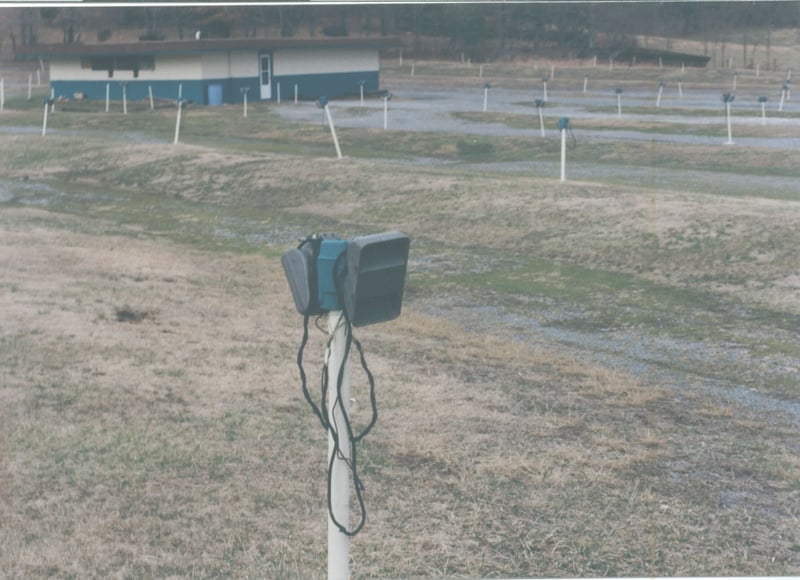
pixel 478 31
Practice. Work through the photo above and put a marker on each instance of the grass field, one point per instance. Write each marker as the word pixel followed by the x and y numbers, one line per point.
pixel 592 378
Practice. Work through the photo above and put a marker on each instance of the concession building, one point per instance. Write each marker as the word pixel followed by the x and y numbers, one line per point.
pixel 214 71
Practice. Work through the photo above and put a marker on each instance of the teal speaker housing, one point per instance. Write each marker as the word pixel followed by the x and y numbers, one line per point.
pixel 330 271
pixel 365 277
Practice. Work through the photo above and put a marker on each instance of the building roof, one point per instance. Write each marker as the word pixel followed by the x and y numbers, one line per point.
pixel 53 51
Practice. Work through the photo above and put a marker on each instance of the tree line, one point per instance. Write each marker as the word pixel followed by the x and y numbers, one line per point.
pixel 478 31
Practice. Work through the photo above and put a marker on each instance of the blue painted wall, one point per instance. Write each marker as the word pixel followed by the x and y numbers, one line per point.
pixel 233 90
pixel 312 86
pixel 195 91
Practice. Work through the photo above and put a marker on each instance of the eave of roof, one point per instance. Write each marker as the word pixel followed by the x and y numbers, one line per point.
pixel 51 51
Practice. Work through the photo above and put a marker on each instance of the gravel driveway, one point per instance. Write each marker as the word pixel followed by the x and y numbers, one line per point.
pixel 416 108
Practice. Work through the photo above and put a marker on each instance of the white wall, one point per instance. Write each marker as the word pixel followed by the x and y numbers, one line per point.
pixel 244 63
pixel 173 67
pixel 215 65
pixel 230 64
pixel 68 70
pixel 187 67
pixel 296 61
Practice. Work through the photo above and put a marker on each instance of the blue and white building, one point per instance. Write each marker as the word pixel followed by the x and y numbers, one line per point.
pixel 214 71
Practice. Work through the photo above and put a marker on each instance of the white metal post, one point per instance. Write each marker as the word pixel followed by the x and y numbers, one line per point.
pixel 333 132
pixel 783 96
pixel 544 90
pixel 178 122
pixel 338 542
pixel 485 98
pixel 295 93
pixel 585 83
pixel 279 93
pixel 728 115
pixel 541 121
pixel 124 99
pixel 680 89
pixel 108 95
pixel 244 111
pixel 44 119
pixel 563 154
pixel 361 90
pixel 763 113
pixel 150 94
pixel 658 99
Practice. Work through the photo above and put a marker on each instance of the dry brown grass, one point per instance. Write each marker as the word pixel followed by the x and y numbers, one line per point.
pixel 151 423
pixel 127 440
pixel 180 445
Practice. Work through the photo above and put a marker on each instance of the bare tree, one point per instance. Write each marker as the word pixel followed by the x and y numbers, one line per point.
pixel 28 20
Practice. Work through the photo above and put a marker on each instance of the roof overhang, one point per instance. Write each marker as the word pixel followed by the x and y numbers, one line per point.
pixel 56 51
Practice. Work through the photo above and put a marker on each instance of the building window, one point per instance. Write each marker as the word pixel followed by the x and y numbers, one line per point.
pixel 112 63
pixel 98 63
